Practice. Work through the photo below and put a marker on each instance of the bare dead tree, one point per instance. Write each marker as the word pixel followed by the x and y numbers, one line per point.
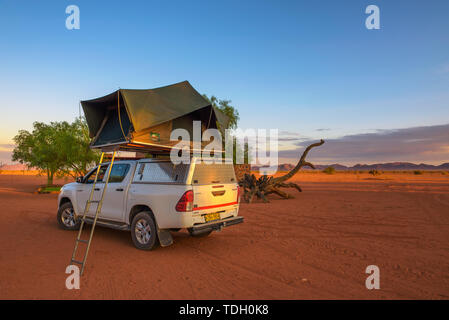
pixel 266 185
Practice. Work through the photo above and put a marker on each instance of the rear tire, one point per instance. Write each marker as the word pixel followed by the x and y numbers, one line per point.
pixel 199 235
pixel 67 219
pixel 144 231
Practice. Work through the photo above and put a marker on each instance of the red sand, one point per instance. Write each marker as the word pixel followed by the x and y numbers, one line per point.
pixel 315 246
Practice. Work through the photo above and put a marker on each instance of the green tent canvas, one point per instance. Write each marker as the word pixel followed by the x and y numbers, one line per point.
pixel 142 120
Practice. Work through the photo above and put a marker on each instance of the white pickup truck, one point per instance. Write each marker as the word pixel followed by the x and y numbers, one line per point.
pixel 152 197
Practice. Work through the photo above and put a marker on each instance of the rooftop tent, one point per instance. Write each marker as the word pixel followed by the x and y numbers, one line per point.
pixel 142 120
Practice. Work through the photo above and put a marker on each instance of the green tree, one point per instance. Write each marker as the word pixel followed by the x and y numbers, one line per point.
pixel 80 157
pixel 233 115
pixel 40 148
pixel 58 148
pixel 225 107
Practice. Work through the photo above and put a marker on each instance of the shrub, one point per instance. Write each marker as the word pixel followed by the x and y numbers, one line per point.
pixel 329 170
pixel 374 172
pixel 417 172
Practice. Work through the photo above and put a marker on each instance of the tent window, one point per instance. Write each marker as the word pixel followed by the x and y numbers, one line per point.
pixel 111 132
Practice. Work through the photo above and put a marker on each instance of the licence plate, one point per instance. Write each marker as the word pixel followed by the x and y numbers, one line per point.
pixel 211 217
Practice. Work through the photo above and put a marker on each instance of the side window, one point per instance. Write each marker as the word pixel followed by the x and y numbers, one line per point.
pixel 161 172
pixel 91 177
pixel 119 172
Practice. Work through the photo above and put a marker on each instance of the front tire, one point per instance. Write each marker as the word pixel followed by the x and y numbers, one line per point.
pixel 144 231
pixel 66 217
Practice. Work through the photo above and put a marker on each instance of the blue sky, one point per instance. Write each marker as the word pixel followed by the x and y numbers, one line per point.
pixel 299 66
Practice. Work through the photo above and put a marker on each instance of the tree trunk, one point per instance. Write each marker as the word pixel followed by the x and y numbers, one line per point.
pixel 50 174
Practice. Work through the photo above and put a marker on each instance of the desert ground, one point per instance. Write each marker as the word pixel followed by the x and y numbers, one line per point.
pixel 316 246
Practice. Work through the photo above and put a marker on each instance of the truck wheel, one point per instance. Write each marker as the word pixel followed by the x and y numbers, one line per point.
pixel 66 217
pixel 144 231
pixel 199 235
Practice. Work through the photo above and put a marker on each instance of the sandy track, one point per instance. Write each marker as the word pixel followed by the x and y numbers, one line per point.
pixel 314 246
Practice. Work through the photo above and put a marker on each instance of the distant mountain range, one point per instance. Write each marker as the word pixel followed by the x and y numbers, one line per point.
pixel 391 166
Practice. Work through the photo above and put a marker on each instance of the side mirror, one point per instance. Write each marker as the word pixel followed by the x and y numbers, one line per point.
pixel 80 179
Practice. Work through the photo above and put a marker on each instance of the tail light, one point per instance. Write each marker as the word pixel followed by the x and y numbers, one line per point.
pixel 239 193
pixel 185 204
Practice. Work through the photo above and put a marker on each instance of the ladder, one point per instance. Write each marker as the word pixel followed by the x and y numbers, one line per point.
pixel 97 212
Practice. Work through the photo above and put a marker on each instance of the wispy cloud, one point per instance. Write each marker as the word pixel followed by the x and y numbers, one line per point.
pixel 290 139
pixel 288 133
pixel 290 136
pixel 418 144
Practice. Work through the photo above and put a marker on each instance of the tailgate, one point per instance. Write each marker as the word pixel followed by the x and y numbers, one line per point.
pixel 214 198
pixel 215 192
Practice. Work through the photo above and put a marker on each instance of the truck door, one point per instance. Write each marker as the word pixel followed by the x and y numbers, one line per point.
pixel 115 198
pixel 83 191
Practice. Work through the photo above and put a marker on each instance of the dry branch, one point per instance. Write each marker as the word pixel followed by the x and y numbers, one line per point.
pixel 266 185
